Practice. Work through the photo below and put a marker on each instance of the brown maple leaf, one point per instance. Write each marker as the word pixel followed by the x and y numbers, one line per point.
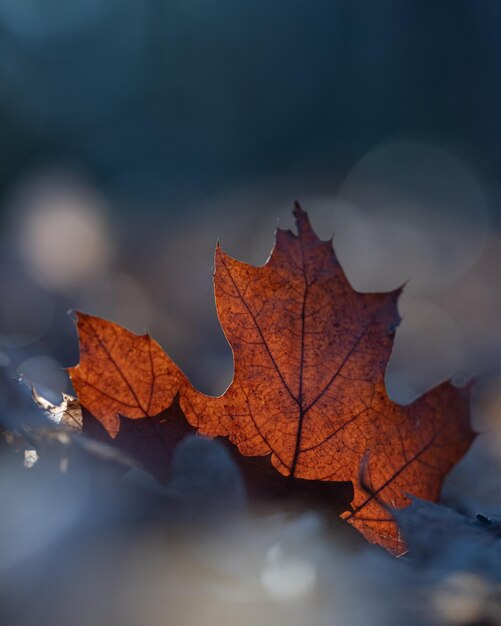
pixel 310 354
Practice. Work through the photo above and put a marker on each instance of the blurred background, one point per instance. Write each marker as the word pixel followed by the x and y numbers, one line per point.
pixel 135 133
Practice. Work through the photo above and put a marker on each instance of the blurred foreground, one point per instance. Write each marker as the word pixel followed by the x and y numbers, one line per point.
pixel 86 540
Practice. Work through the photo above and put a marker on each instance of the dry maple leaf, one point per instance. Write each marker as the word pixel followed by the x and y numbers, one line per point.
pixel 310 354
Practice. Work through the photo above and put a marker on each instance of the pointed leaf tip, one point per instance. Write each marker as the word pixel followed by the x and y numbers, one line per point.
pixel 302 220
pixel 121 373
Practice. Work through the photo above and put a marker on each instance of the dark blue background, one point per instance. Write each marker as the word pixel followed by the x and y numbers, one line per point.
pixel 179 99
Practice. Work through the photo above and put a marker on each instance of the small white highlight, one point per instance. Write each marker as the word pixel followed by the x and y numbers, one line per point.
pixel 287 578
pixel 30 458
